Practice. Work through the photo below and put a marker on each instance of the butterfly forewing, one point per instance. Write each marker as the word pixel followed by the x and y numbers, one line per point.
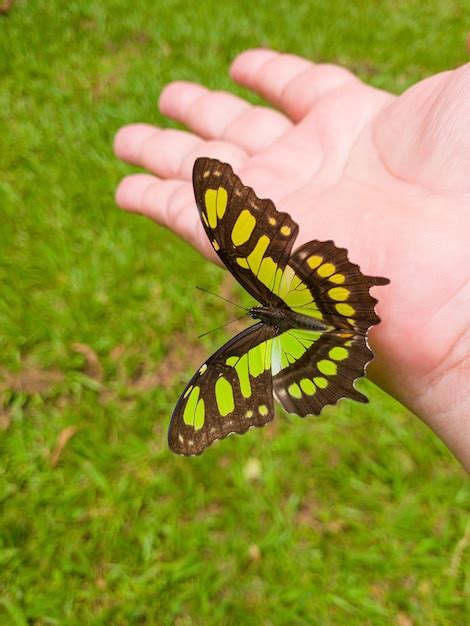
pixel 251 237
pixel 229 393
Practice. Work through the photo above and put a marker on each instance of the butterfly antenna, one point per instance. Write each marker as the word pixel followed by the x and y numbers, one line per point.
pixel 222 298
pixel 223 325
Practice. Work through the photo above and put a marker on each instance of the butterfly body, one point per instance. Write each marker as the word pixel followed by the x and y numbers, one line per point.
pixel 310 342
pixel 283 319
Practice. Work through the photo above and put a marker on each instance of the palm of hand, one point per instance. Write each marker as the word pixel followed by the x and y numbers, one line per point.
pixel 384 176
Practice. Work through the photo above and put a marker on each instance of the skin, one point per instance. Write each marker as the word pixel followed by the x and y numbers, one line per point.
pixel 386 177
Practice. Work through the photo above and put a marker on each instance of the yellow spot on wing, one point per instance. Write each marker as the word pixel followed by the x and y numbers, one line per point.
pixel 295 293
pixel 190 408
pixel 292 346
pixel 277 281
pixel 299 299
pixel 297 282
pixel 210 199
pixel 345 309
pixel 314 261
pixel 249 414
pixel 215 245
pixel 254 258
pixel 286 230
pixel 269 274
pixel 286 281
pixel 339 293
pixel 241 367
pixel 320 382
pixel 309 309
pixel 243 227
pixel 259 358
pixel 326 270
pixel 338 353
pixel 224 396
pixel 215 201
pixel 243 263
pixel 203 368
pixel 272 221
pixel 327 367
pixel 294 391
pixel 307 386
pixel 199 415
pixel 263 409
pixel 222 198
pixel 338 279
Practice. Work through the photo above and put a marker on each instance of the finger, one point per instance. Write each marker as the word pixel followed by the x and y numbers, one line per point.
pixel 169 203
pixel 137 193
pixel 221 115
pixel 170 153
pixel 136 143
pixel 289 82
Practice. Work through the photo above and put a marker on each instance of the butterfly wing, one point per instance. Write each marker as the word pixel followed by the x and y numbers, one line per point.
pixel 321 282
pixel 311 369
pixel 252 238
pixel 231 392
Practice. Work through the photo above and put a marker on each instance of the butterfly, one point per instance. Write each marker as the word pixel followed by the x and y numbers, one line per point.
pixel 309 343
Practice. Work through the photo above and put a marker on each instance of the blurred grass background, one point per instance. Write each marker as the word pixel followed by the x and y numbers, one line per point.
pixel 359 517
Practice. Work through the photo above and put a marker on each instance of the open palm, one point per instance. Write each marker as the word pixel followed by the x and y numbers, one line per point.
pixel 384 176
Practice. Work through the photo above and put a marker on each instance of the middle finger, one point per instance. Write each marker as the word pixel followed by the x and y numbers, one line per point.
pixel 221 115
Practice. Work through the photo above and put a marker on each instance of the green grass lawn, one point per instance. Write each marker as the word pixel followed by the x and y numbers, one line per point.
pixel 359 517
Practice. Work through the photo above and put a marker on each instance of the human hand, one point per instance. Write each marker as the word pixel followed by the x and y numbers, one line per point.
pixel 384 176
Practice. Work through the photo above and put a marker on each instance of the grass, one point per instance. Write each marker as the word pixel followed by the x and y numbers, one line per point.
pixel 360 517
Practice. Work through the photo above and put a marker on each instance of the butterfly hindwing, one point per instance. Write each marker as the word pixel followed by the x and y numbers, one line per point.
pixel 253 239
pixel 311 370
pixel 229 393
